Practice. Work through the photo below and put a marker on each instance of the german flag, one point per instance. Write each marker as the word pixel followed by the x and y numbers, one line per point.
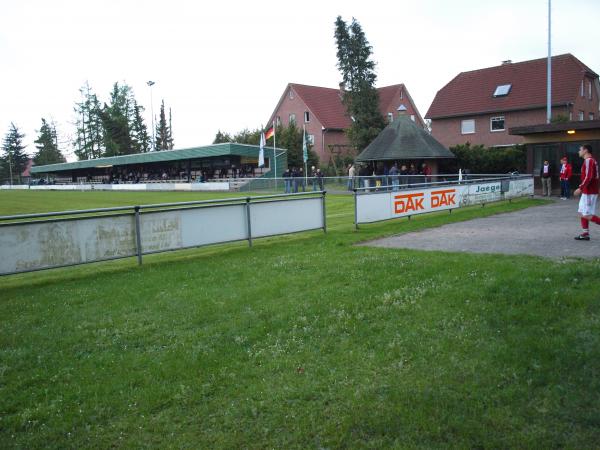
pixel 270 132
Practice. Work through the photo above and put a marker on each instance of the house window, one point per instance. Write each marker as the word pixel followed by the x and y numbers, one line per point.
pixel 502 90
pixel 412 117
pixel 278 121
pixel 401 95
pixel 589 89
pixel 581 115
pixel 306 117
pixel 581 91
pixel 291 94
pixel 591 116
pixel 497 123
pixel 310 138
pixel 467 126
pixel 292 118
pixel 390 117
pixel 570 116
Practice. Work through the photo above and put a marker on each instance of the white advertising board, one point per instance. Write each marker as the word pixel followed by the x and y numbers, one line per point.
pixel 282 217
pixel 65 242
pixel 373 207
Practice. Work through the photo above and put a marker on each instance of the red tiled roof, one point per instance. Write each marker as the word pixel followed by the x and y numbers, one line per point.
pixel 327 106
pixel 472 92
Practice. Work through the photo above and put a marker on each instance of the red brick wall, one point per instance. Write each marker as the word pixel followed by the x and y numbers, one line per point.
pixel 448 131
pixel 401 98
pixel 296 106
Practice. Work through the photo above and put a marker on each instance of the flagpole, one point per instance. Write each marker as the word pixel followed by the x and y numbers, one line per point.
pixel 305 154
pixel 274 153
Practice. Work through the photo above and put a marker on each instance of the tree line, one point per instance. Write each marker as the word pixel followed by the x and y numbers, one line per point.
pixel 102 129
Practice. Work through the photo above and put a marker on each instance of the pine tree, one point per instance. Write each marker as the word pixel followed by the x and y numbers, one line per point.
pixel 89 138
pixel 47 146
pixel 162 131
pixel 14 160
pixel 116 118
pixel 170 142
pixel 358 74
pixel 290 137
pixel 139 132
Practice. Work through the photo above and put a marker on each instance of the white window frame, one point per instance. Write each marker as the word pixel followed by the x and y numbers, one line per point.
pixel 310 138
pixel 390 117
pixel 497 118
pixel 292 118
pixel 306 117
pixel 291 94
pixel 581 115
pixel 591 116
pixel 462 126
pixel 582 90
pixel 589 90
pixel 412 117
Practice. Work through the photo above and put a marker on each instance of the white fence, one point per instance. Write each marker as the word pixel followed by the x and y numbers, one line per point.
pixel 65 239
pixel 212 186
pixel 387 203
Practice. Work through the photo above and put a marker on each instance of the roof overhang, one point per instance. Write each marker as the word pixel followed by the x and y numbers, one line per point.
pixel 555 127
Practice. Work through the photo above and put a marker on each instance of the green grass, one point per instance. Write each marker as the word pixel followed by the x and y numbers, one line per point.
pixel 303 341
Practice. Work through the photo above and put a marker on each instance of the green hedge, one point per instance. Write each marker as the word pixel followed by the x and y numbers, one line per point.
pixel 480 159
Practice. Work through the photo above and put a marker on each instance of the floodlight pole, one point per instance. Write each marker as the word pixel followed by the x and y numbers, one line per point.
pixel 549 78
pixel 152 83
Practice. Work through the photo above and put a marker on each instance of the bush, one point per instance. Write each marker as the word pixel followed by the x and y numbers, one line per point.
pixel 479 159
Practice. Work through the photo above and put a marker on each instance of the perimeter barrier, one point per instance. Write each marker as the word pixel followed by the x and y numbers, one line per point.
pixel 375 204
pixel 30 242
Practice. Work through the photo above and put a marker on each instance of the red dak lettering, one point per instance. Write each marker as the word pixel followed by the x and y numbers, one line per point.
pixel 446 197
pixel 408 202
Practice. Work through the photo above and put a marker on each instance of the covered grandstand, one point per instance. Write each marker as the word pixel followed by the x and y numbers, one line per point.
pixel 207 163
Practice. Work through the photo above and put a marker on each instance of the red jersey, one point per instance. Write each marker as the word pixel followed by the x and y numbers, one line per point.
pixel 589 176
pixel 565 171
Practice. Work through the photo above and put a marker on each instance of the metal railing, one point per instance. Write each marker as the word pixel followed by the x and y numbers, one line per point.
pixel 66 238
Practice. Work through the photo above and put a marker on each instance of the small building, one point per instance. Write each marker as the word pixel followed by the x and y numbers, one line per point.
pixel 404 142
pixel 209 162
pixel 553 141
pixel 480 106
pixel 323 114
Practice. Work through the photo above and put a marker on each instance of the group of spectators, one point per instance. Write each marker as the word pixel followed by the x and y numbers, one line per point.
pixel 295 179
pixel 382 175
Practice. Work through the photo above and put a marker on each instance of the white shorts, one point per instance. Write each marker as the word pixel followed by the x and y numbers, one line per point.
pixel 587 204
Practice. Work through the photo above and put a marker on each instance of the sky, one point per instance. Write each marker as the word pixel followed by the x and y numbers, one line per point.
pixel 224 65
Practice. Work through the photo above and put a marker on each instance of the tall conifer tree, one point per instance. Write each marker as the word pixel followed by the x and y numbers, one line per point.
pixel 14 159
pixel 358 74
pixel 47 146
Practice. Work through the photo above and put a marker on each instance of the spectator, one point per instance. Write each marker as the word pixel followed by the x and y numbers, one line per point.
pixel 393 173
pixel 351 174
pixel 565 174
pixel 319 176
pixel 546 178
pixel 287 181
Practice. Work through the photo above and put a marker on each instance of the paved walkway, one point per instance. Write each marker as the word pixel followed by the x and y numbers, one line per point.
pixel 546 231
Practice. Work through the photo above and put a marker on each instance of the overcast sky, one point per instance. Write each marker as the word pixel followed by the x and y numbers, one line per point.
pixel 224 65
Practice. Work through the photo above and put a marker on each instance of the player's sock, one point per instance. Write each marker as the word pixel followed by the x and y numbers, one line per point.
pixel 585 224
pixel 596 220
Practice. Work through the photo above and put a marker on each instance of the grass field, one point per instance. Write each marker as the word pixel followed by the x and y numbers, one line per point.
pixel 304 341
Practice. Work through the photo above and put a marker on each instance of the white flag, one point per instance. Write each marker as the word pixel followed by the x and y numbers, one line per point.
pixel 459 174
pixel 261 154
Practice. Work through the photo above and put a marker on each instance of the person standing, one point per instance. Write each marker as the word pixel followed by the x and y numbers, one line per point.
pixel 313 176
pixel 351 174
pixel 546 178
pixel 287 181
pixel 565 174
pixel 319 176
pixel 588 188
pixel 394 176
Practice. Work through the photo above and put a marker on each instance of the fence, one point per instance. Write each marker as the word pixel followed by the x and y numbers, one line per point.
pixel 389 202
pixel 70 238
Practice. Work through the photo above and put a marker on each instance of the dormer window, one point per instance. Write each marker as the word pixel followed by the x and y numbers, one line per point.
pixel 502 90
pixel 291 94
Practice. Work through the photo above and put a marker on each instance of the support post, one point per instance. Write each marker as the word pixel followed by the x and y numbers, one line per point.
pixel 324 214
pixel 138 235
pixel 355 209
pixel 248 222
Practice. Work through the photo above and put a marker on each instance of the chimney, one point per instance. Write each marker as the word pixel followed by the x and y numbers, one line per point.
pixel 508 61
pixel 342 90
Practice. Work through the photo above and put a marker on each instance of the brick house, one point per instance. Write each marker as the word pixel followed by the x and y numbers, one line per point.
pixel 481 105
pixel 322 112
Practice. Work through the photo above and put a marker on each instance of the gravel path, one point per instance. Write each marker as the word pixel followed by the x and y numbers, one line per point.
pixel 546 231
